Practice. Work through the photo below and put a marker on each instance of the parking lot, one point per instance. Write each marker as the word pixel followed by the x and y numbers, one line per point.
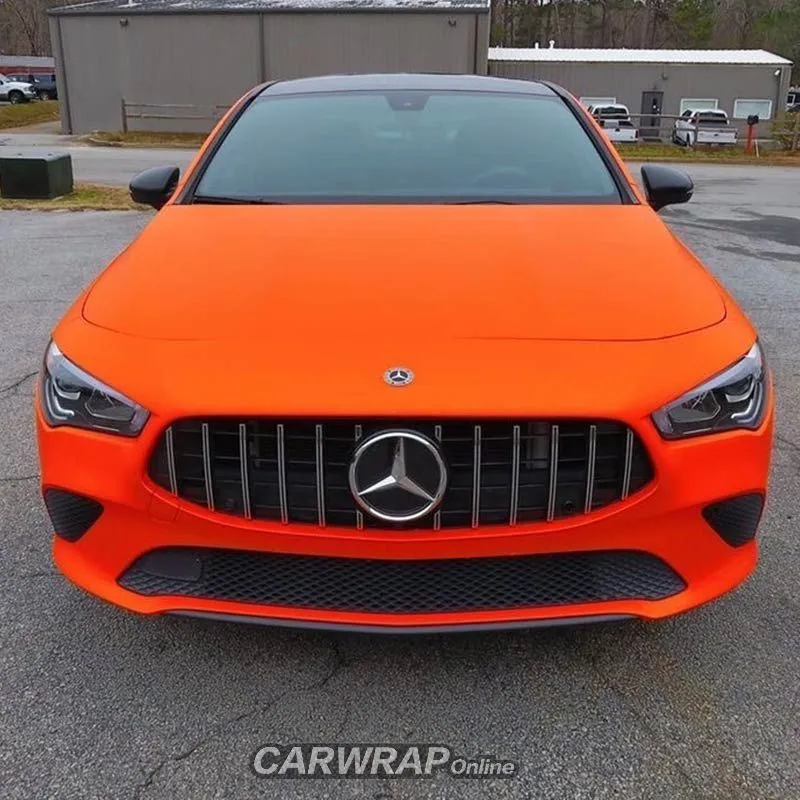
pixel 98 703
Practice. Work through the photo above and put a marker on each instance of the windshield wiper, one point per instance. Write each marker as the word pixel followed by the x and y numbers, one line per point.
pixel 212 199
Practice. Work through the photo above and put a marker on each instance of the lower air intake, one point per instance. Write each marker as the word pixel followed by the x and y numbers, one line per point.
pixel 402 587
pixel 71 514
pixel 736 519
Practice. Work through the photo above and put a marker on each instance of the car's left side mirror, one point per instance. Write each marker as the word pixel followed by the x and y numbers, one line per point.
pixel 154 186
pixel 666 186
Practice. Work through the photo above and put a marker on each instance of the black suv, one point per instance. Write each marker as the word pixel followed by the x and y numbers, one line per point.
pixel 45 83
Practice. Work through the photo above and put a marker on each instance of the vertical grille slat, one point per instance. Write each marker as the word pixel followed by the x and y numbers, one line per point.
pixel 281 450
pixel 207 477
pixel 170 446
pixel 244 468
pixel 358 432
pixel 553 480
pixel 320 465
pixel 515 438
pixel 591 459
pixel 476 477
pixel 437 515
pixel 499 471
pixel 626 474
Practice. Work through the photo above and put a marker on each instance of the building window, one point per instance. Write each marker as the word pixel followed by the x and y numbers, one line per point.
pixel 698 104
pixel 742 109
pixel 598 101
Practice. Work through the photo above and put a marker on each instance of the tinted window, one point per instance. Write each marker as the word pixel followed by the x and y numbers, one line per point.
pixel 712 118
pixel 409 147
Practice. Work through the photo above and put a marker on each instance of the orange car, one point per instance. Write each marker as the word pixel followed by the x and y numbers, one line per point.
pixel 406 353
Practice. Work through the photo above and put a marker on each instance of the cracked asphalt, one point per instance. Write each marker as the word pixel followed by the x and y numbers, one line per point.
pixel 98 703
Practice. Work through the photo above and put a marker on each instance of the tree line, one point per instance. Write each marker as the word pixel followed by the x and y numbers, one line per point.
pixel 702 24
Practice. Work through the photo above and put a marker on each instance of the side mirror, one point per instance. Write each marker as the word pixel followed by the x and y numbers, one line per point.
pixel 666 186
pixel 154 186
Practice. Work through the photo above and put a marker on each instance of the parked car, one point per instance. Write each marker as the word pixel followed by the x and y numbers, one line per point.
pixel 469 416
pixel 703 126
pixel 615 119
pixel 44 82
pixel 16 91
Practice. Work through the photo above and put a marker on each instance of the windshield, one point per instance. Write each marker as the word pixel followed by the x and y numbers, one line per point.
pixel 408 146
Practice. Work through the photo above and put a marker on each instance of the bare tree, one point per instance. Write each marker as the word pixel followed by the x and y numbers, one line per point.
pixel 24 26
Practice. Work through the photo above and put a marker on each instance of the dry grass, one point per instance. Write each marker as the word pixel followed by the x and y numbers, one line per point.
pixel 699 155
pixel 147 139
pixel 28 114
pixel 86 197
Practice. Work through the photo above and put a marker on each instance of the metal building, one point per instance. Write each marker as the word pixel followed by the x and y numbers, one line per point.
pixel 659 82
pixel 145 59
pixel 33 64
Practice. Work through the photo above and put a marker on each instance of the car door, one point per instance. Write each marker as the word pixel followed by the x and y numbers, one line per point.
pixel 3 89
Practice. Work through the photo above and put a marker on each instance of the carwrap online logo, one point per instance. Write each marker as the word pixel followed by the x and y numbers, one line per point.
pixel 374 760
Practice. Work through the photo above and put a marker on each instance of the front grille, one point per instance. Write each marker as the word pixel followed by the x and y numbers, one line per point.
pixel 402 587
pixel 499 472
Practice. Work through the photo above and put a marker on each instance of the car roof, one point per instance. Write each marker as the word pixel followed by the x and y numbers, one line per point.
pixel 407 82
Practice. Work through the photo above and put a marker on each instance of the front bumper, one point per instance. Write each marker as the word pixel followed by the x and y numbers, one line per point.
pixel 664 522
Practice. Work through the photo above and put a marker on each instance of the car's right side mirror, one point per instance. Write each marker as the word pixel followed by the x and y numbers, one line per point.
pixel 666 186
pixel 154 186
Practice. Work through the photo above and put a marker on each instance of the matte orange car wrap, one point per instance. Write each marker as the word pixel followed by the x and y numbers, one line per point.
pixel 296 312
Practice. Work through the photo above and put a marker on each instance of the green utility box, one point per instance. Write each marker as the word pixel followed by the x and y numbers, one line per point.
pixel 35 175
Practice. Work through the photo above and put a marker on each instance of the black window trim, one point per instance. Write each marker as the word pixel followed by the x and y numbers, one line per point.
pixel 626 194
pixel 623 187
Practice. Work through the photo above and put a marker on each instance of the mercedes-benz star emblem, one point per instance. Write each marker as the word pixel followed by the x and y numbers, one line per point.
pixel 398 376
pixel 398 476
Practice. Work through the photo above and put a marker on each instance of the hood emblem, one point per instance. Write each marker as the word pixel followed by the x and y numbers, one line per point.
pixel 398 376
pixel 398 476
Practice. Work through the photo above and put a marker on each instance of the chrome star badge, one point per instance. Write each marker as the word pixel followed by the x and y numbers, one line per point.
pixel 398 376
pixel 398 476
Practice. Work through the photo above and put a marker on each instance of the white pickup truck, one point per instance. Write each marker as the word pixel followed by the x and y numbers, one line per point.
pixel 615 119
pixel 707 126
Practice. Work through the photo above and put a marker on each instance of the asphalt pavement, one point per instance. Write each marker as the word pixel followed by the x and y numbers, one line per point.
pixel 98 703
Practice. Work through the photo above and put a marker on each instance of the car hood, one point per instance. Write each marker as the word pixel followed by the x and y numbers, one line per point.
pixel 285 274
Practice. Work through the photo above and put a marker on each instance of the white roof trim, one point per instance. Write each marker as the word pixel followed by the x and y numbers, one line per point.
pixel 625 56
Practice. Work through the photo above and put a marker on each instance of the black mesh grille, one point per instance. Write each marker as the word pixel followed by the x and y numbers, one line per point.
pixel 71 514
pixel 736 519
pixel 467 584
pixel 248 450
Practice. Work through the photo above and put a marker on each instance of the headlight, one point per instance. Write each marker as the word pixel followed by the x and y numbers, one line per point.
pixel 72 397
pixel 736 398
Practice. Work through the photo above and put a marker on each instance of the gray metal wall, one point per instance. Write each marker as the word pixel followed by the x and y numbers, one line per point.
pixel 626 82
pixel 208 59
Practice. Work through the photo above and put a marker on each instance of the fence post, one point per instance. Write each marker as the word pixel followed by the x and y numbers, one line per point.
pixel 124 115
pixel 796 132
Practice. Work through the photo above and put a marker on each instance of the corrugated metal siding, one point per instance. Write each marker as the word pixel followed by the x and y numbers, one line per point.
pixel 303 45
pixel 197 59
pixel 209 59
pixel 91 62
pixel 626 82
